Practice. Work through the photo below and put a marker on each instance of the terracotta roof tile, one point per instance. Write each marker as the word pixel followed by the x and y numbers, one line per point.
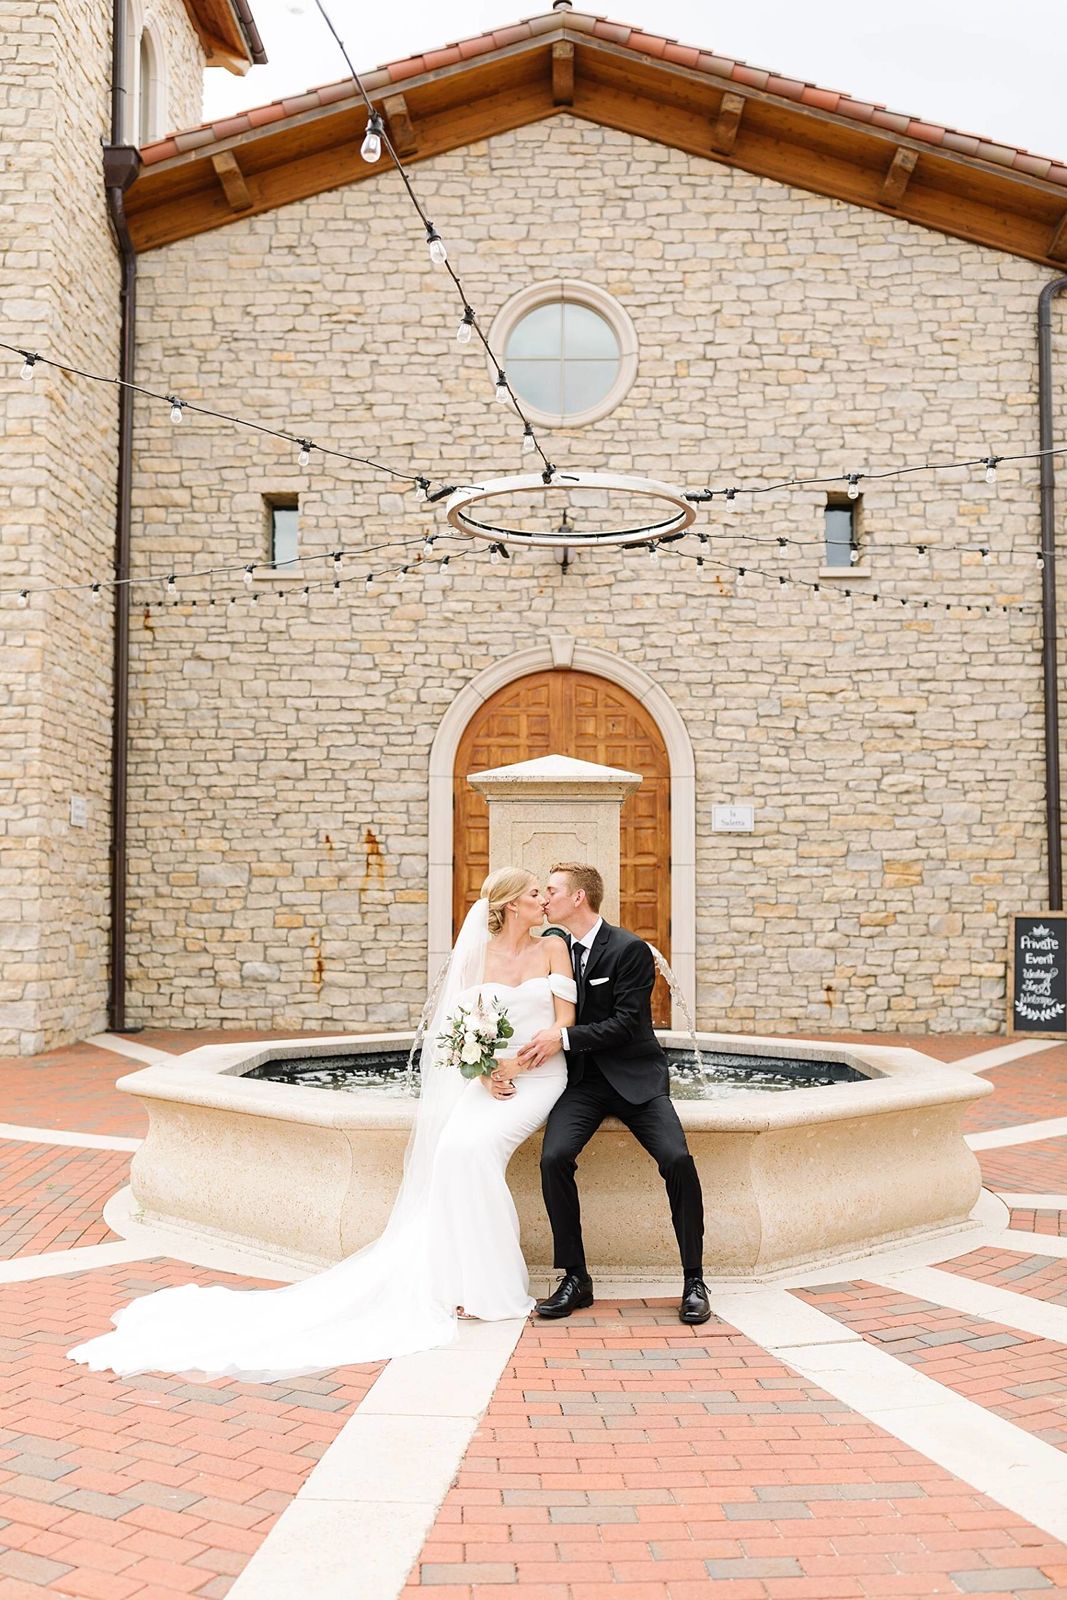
pixel 821 99
pixel 682 55
pixel 581 22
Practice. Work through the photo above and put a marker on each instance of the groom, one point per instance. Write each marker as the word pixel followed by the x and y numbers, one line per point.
pixel 616 1068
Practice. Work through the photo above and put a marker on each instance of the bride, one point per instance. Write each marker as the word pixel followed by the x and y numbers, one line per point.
pixel 451 1245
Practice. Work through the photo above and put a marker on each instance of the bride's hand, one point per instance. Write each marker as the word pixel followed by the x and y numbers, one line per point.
pixel 500 1088
pixel 506 1069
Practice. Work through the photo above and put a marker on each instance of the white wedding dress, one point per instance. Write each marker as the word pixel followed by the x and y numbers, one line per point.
pixel 452 1240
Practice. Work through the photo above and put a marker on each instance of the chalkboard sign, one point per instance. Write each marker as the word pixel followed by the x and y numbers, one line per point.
pixel 1037 990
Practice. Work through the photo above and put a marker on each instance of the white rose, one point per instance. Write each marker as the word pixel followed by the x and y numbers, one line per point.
pixel 471 1052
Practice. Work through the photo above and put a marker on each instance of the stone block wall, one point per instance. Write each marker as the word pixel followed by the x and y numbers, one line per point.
pixel 894 758
pixel 59 286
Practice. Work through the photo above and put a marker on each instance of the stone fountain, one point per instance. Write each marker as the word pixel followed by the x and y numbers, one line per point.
pixel 307 1175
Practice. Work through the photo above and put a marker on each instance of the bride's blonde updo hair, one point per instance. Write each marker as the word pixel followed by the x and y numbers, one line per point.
pixel 500 889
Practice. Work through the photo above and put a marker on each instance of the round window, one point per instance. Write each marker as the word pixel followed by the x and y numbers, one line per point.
pixel 569 351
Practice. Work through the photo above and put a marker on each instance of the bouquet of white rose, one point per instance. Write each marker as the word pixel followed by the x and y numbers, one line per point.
pixel 472 1036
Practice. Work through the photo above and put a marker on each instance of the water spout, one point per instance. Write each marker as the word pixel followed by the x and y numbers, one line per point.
pixel 666 971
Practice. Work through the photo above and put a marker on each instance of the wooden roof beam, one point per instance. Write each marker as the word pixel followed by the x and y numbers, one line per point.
pixel 727 124
pixel 898 176
pixel 401 126
pixel 1058 243
pixel 563 73
pixel 232 180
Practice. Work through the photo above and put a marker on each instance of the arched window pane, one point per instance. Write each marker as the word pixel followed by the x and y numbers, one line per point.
pixel 539 336
pixel 147 92
pixel 586 336
pixel 586 382
pixel 562 358
pixel 539 383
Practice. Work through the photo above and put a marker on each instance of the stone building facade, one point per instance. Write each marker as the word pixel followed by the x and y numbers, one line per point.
pixel 59 288
pixel 288 868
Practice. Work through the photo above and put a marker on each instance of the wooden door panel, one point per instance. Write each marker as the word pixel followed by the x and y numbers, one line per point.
pixel 574 714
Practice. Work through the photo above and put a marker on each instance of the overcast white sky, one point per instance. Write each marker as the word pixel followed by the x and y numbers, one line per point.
pixel 982 66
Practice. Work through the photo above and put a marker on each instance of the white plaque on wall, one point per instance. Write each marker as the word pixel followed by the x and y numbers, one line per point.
pixel 79 811
pixel 732 819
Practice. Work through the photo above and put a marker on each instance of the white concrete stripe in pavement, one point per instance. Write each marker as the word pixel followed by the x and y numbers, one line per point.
pixel 1030 1244
pixel 1024 1474
pixel 988 1060
pixel 358 1523
pixel 1033 1202
pixel 80 1141
pixel 146 1054
pixel 990 1301
pixel 1021 1133
pixel 57 1263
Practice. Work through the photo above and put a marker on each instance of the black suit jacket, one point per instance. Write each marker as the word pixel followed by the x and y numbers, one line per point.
pixel 614 1022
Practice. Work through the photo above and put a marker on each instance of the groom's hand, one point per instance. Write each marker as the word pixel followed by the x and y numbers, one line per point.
pixel 544 1044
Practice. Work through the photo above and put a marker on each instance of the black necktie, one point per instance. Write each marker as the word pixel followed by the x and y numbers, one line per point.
pixel 578 960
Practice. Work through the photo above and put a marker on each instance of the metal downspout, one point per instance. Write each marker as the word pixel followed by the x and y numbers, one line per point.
pixel 1048 593
pixel 121 165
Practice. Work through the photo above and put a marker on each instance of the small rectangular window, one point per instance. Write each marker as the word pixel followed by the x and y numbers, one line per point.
pixel 841 525
pixel 284 529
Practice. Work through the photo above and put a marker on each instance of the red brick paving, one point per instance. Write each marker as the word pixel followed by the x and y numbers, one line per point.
pixel 1039 1167
pixel 1019 1376
pixel 1030 1090
pixel 72 1089
pixel 141 1488
pixel 52 1196
pixel 625 1454
pixel 1053 1222
pixel 1043 1277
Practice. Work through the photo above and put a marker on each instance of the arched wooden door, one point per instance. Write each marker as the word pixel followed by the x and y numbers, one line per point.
pixel 574 714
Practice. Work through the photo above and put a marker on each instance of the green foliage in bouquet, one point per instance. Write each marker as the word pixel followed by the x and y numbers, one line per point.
pixel 472 1036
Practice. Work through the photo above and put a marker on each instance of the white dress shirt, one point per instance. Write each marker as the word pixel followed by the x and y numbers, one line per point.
pixel 585 944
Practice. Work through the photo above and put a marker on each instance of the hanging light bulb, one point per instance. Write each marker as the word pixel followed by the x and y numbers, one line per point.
pixel 307 594
pixel 529 443
pixel 923 552
pixel 991 469
pixel 985 555
pixel 853 490
pixel 427 545
pixel 729 497
pixel 401 575
pixel 23 600
pixel 172 588
pixel 495 556
pixel 422 488
pixel 740 576
pixel 29 361
pixel 175 407
pixel 444 572
pixel 248 574
pixel 653 554
pixel 466 327
pixel 853 556
pixel 304 458
pixel 438 253
pixel 501 391
pixel 368 581
pixel 371 148
pixel 782 543
pixel 95 594
pixel 338 556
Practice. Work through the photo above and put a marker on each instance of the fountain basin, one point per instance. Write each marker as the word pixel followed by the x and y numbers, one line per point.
pixel 308 1175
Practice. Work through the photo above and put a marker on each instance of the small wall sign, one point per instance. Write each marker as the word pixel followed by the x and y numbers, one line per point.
pixel 1037 982
pixel 732 819
pixel 79 811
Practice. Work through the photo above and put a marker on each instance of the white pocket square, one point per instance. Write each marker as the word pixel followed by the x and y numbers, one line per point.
pixel 594 981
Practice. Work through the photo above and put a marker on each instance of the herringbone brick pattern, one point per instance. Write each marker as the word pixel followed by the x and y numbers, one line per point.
pixel 52 1196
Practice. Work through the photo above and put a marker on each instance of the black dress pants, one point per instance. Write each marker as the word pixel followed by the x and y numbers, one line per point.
pixel 573 1120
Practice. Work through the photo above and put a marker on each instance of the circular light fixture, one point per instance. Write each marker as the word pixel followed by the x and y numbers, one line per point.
pixel 667 513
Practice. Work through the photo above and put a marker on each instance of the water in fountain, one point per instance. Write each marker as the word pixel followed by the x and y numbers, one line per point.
pixel 666 971
pixel 420 1031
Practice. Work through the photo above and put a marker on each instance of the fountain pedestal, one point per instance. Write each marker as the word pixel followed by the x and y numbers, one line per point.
pixel 557 809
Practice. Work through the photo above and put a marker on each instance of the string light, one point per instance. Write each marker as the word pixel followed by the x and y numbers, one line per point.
pixel 371 148
pixel 172 587
pixel 248 574
pixel 501 391
pixel 466 327
pixel 23 600
pixel 438 253
pixel 427 545
pixel 176 407
pixel 29 361
pixel 853 490
pixel 529 443
pixel 495 556
pixel 653 554
pixel 422 488
pixel 95 594
pixel 443 570
pixel 985 554
pixel 304 458
pixel 368 582
pixel 338 557
pixel 991 468
pixel 853 556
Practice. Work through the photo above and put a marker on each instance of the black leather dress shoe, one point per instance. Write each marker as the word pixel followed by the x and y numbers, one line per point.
pixel 694 1306
pixel 575 1293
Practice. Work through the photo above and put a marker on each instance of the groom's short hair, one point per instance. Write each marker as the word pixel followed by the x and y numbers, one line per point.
pixel 586 878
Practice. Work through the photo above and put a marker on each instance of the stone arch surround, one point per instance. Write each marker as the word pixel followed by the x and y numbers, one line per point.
pixel 563 654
